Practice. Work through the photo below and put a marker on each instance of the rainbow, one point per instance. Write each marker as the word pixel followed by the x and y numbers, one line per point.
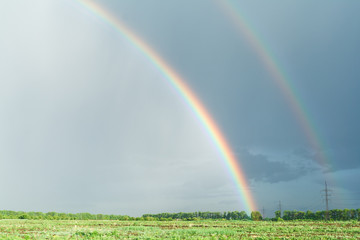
pixel 187 94
pixel 278 76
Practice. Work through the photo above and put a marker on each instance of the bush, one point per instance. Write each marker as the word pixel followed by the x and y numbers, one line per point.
pixel 23 216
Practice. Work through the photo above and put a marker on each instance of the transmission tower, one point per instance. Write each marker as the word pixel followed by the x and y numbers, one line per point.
pixel 263 213
pixel 280 207
pixel 326 193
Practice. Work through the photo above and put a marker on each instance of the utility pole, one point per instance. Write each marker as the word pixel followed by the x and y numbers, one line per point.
pixel 326 193
pixel 280 207
pixel 263 213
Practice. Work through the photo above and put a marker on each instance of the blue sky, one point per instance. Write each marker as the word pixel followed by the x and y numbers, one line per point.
pixel 90 125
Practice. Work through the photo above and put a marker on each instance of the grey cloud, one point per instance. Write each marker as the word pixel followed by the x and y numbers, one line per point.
pixel 338 158
pixel 258 167
pixel 304 153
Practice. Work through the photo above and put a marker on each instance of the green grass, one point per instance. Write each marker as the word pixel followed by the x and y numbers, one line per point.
pixel 91 229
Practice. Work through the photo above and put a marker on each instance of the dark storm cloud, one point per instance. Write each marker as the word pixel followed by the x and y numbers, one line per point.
pixel 344 158
pixel 338 158
pixel 258 167
pixel 301 152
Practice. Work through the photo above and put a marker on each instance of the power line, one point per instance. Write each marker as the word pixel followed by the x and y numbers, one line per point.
pixel 326 193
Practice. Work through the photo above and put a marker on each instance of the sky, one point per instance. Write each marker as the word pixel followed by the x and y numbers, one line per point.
pixel 89 124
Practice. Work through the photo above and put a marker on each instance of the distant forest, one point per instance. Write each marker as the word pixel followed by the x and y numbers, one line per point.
pixel 335 215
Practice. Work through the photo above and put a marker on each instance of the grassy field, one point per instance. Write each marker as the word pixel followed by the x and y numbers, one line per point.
pixel 91 229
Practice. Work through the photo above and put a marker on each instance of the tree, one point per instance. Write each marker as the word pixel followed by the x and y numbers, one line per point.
pixel 300 215
pixel 352 214
pixel 243 215
pixel 278 214
pixel 287 215
pixel 256 216
pixel 309 215
pixel 346 214
pixel 319 215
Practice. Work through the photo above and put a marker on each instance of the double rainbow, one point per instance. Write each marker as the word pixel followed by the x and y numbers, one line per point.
pixel 278 76
pixel 187 94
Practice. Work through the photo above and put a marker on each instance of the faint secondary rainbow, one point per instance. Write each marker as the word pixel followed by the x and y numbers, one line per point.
pixel 278 76
pixel 187 94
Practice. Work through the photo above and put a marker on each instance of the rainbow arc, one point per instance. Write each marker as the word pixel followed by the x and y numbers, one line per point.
pixel 187 94
pixel 278 76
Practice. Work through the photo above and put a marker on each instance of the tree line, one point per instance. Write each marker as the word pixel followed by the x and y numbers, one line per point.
pixel 335 215
pixel 235 215
pixel 7 214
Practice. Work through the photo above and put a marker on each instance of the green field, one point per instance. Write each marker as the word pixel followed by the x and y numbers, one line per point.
pixel 106 229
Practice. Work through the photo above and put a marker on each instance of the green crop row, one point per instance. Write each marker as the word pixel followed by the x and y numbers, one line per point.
pixel 204 229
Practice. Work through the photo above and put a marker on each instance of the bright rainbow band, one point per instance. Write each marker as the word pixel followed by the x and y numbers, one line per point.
pixel 188 95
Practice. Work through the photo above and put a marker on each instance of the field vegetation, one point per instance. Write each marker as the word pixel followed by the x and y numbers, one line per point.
pixel 202 229
pixel 196 225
